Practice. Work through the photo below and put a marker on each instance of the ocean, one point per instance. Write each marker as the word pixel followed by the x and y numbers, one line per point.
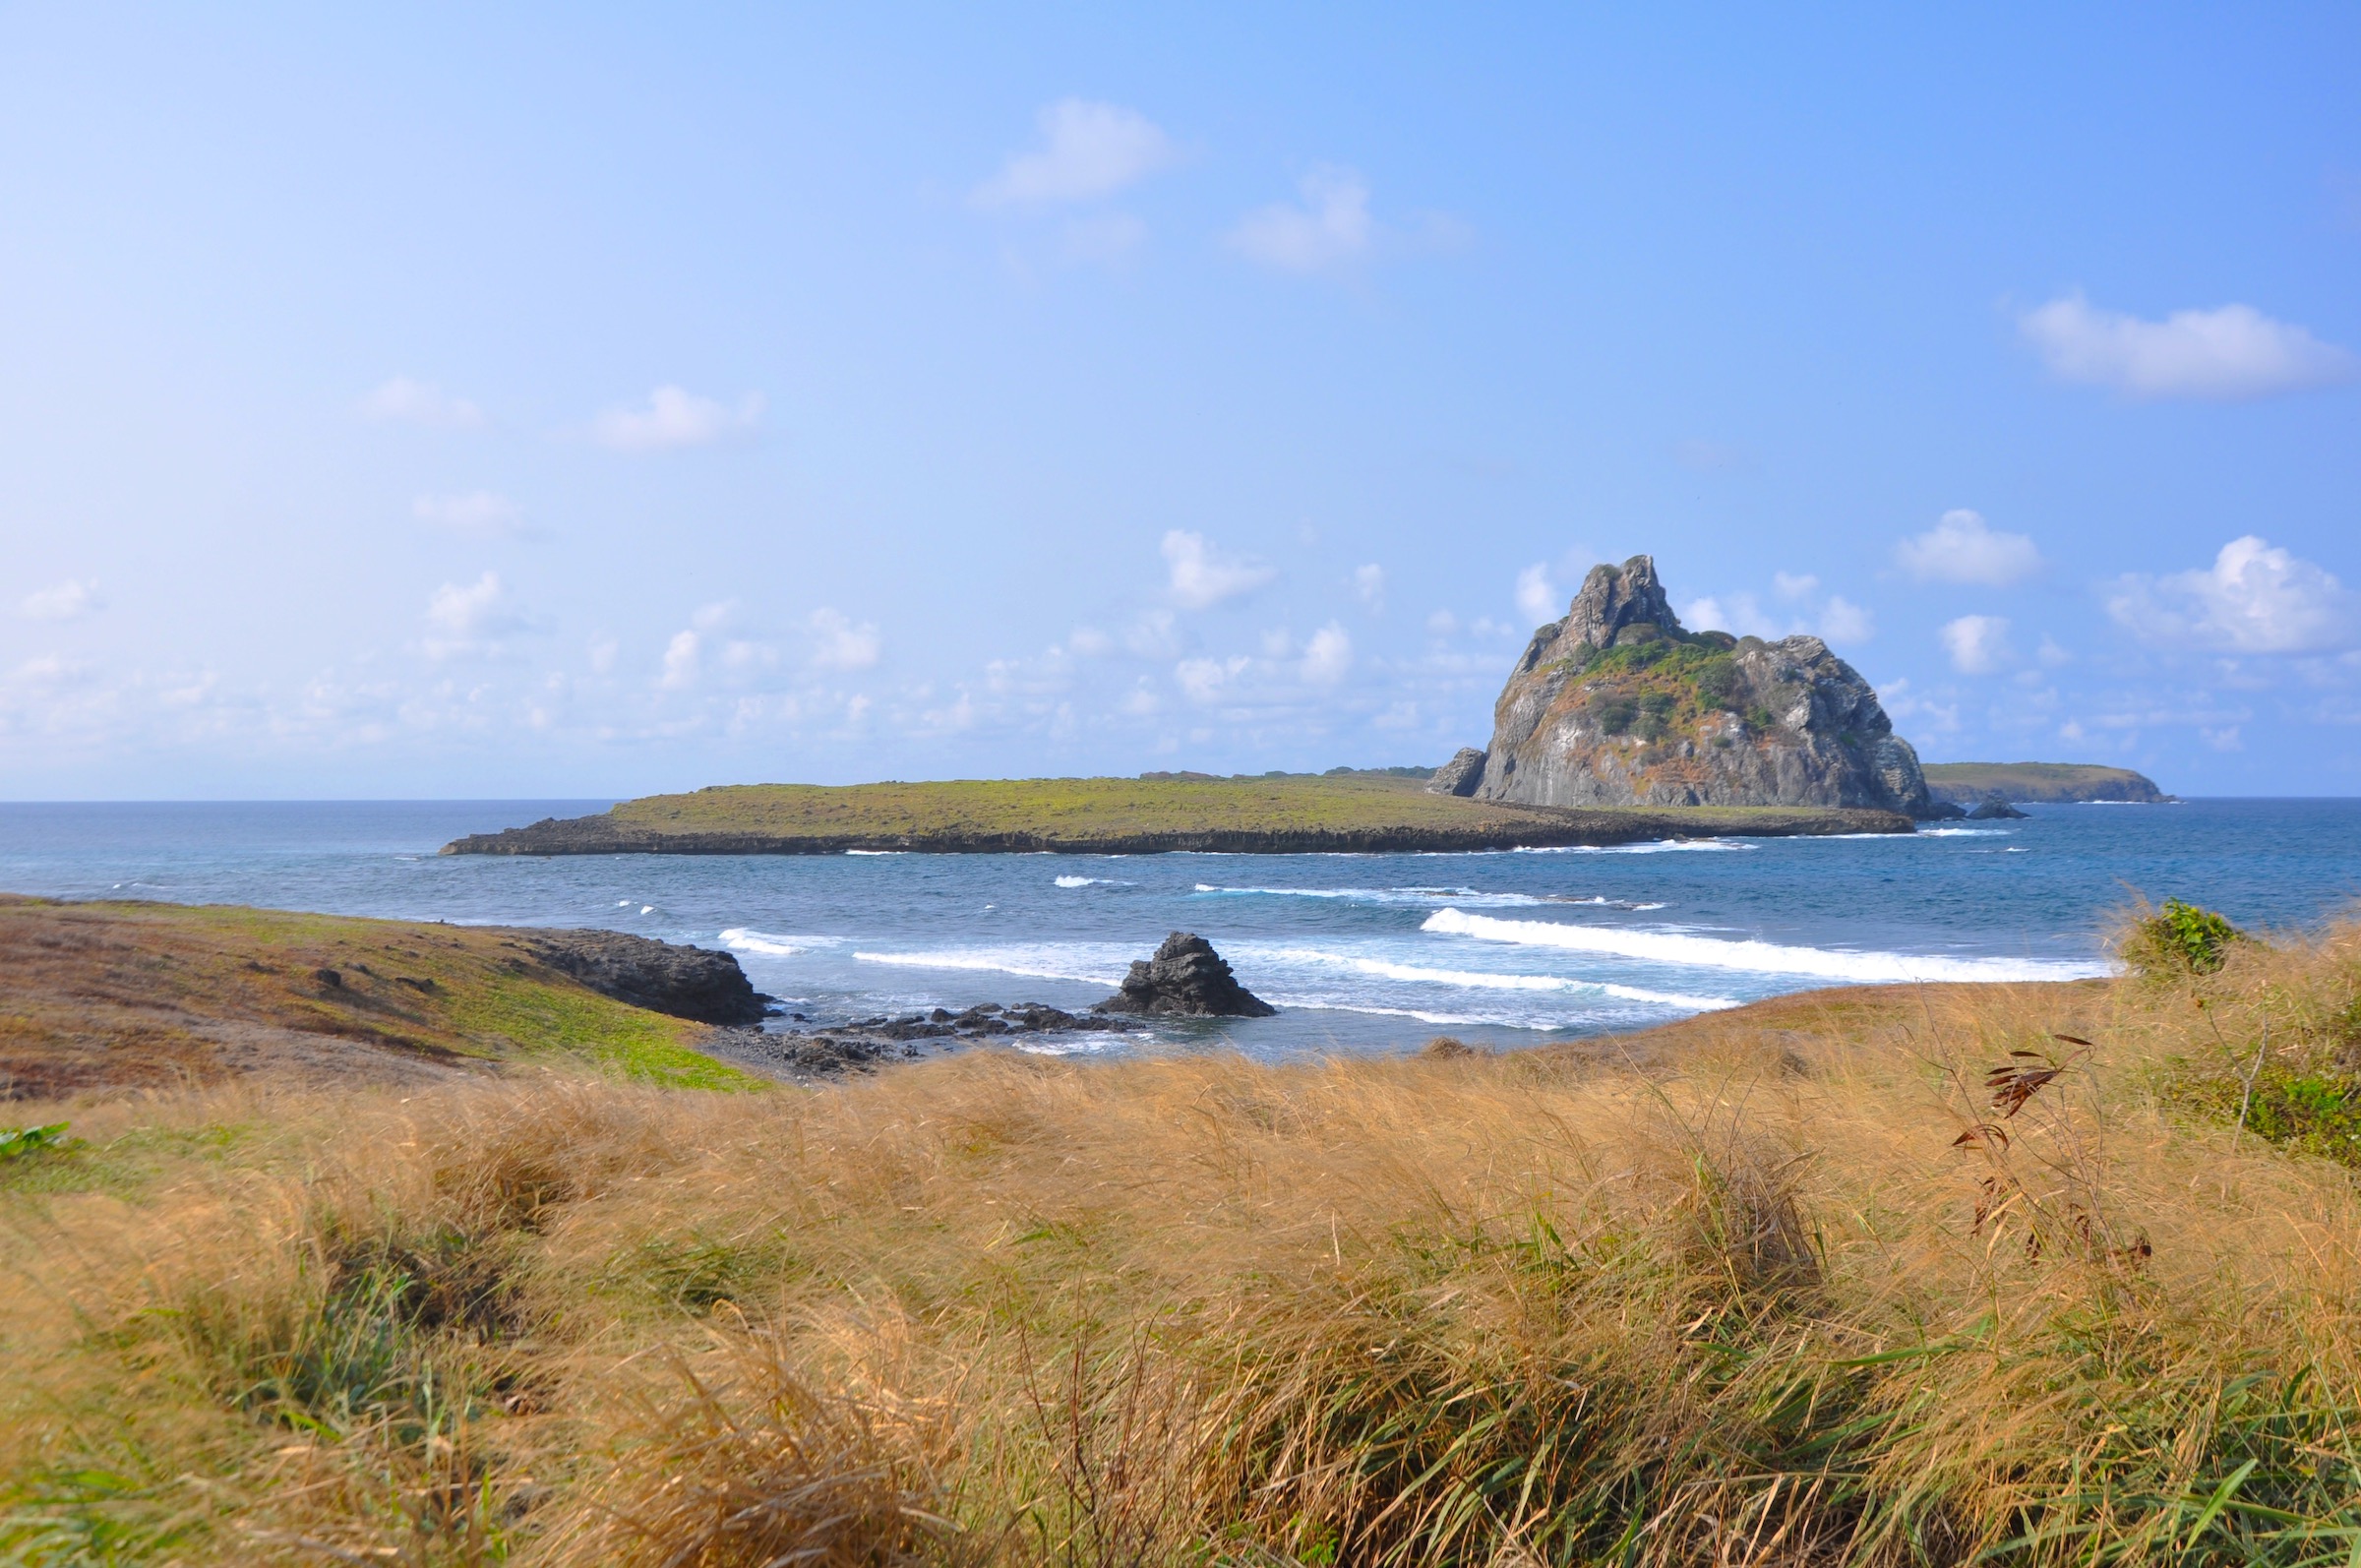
pixel 1361 952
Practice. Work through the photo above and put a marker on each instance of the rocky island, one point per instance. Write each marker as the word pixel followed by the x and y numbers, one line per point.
pixel 1618 705
pixel 1359 811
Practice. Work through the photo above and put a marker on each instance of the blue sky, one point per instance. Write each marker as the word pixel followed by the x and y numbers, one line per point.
pixel 514 402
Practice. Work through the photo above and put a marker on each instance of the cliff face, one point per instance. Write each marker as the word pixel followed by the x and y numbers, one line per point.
pixel 1618 705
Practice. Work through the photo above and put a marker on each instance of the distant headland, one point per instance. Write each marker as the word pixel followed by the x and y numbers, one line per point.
pixel 1376 811
pixel 1966 783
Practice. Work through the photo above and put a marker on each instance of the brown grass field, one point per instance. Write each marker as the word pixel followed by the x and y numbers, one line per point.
pixel 1791 1285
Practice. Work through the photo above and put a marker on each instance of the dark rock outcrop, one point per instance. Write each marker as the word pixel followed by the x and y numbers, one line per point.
pixel 1187 979
pixel 1460 776
pixel 1993 810
pixel 1619 704
pixel 685 981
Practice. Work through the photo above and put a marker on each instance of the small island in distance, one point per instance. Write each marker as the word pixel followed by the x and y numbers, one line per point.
pixel 2045 783
pixel 1617 726
pixel 1374 811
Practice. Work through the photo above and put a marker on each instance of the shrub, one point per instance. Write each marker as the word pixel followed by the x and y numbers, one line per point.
pixel 2181 939
pixel 1615 713
pixel 1718 685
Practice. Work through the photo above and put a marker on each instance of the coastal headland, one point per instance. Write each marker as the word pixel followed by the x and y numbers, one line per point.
pixel 107 996
pixel 1378 812
pixel 2050 783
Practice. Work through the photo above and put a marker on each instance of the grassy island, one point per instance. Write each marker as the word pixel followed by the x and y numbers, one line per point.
pixel 1372 810
pixel 2055 782
pixel 2016 1275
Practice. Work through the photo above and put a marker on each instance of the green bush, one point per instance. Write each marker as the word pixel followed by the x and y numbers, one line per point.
pixel 2181 939
pixel 1615 713
pixel 1718 685
pixel 16 1143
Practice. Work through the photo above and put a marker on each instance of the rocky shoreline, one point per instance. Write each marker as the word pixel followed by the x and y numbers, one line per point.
pixel 1536 828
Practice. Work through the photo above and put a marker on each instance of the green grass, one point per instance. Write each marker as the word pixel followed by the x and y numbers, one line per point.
pixel 539 1020
pixel 2041 781
pixel 1097 809
pixel 123 994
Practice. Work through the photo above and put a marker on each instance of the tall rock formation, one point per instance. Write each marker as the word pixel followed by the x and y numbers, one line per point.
pixel 1618 705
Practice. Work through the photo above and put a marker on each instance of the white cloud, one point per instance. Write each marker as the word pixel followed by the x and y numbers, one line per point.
pixel 1090 643
pixel 69 600
pixel 1153 635
pixel 1536 595
pixel 1977 643
pixel 1369 585
pixel 1202 681
pixel 1843 620
pixel 1961 548
pixel 673 419
pixel 843 645
pixel 1443 624
pixel 478 512
pixel 2052 653
pixel 403 400
pixel 682 656
pixel 1795 584
pixel 1331 229
pixel 465 620
pixel 1203 577
pixel 2252 599
pixel 1740 614
pixel 1278 643
pixel 2232 353
pixel 1328 655
pixel 1088 151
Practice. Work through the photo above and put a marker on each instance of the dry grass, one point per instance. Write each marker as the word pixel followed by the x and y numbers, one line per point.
pixel 1797 1292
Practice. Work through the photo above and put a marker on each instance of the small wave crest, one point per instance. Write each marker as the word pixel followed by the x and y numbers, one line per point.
pixel 1662 846
pixel 1488 979
pixel 1755 957
pixel 1092 881
pixel 1028 963
pixel 744 939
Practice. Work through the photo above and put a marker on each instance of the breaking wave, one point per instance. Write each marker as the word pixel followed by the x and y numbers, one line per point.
pixel 1754 957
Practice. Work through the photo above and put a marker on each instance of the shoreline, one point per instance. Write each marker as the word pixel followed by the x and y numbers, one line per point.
pixel 1547 827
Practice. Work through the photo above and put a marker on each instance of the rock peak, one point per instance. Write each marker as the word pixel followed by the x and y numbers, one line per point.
pixel 1614 598
pixel 1618 705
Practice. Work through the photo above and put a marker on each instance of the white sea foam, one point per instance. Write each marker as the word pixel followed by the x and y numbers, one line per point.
pixel 1093 881
pixel 1488 979
pixel 1033 963
pixel 1662 846
pixel 1379 895
pixel 1754 957
pixel 742 940
pixel 1956 832
pixel 877 852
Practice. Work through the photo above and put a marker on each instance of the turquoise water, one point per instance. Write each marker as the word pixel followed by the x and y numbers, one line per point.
pixel 1362 952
